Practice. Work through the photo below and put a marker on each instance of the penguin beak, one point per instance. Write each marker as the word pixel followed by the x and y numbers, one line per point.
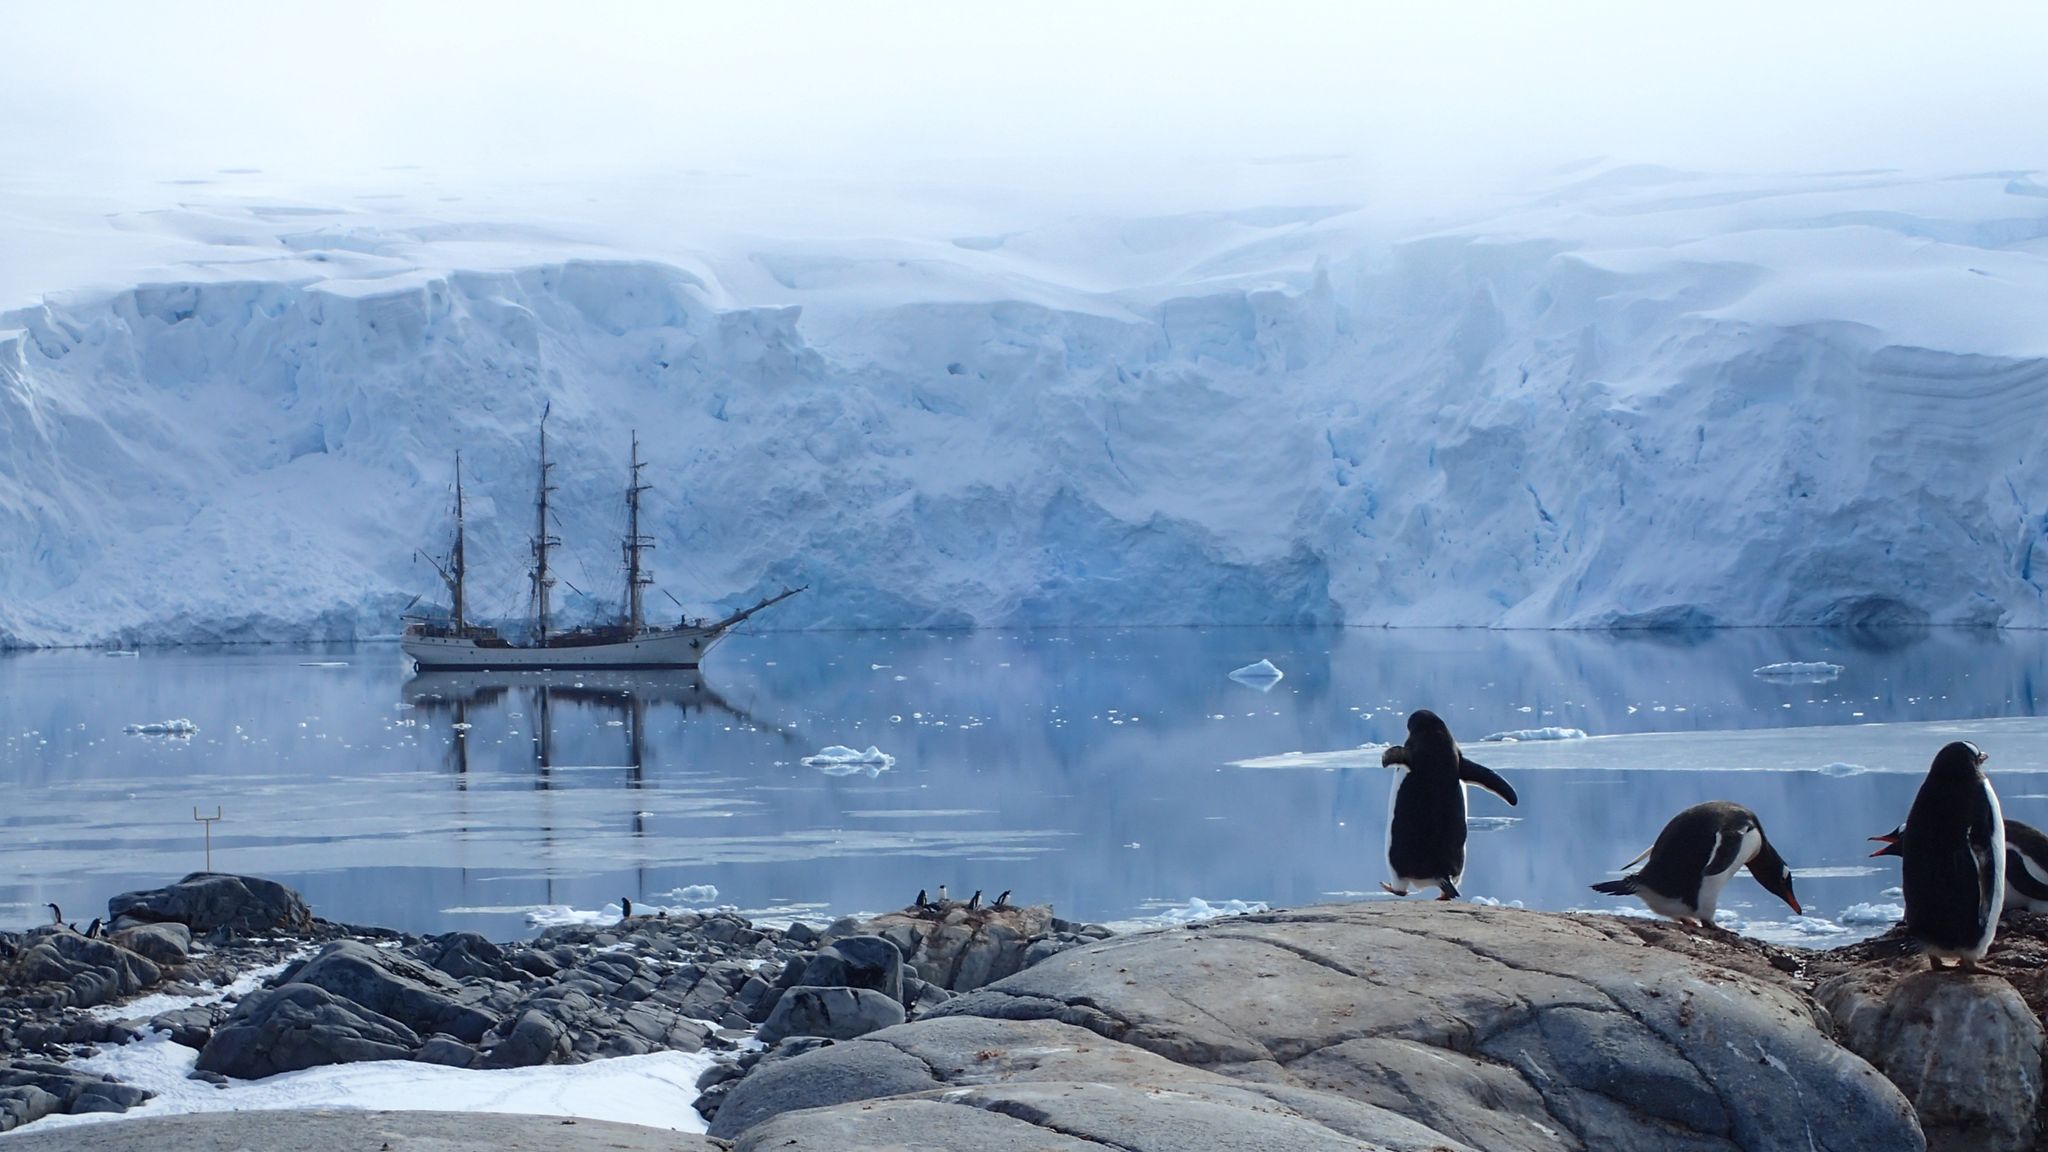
pixel 1982 756
pixel 1888 840
pixel 1794 902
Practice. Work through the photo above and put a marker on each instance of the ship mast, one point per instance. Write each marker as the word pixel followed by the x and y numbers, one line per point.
pixel 452 574
pixel 637 577
pixel 542 542
pixel 455 560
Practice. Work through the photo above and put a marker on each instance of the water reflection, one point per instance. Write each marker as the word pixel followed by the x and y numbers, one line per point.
pixel 1093 769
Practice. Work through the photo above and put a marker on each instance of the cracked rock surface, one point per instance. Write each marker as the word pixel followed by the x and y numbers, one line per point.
pixel 1399 1026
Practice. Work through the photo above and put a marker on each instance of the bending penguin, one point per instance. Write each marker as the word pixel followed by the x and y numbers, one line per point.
pixel 1426 807
pixel 1696 855
pixel 1953 857
pixel 2026 864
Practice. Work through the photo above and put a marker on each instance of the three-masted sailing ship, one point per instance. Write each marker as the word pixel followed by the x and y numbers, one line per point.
pixel 458 644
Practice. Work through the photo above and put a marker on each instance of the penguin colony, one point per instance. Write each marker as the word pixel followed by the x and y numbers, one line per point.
pixel 1964 863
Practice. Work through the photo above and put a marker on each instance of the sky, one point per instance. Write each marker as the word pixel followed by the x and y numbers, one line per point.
pixel 1116 94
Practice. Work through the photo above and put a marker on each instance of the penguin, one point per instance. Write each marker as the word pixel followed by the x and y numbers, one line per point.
pixel 974 901
pixel 1003 901
pixel 56 913
pixel 2026 864
pixel 1953 855
pixel 921 901
pixel 1696 855
pixel 942 893
pixel 92 930
pixel 626 903
pixel 1426 807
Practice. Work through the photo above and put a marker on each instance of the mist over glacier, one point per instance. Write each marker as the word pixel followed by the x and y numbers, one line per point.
pixel 1640 397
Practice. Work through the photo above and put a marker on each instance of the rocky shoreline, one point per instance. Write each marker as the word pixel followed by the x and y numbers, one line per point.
pixel 1377 1025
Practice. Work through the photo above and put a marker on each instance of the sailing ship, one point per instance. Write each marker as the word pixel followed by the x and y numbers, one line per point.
pixel 458 644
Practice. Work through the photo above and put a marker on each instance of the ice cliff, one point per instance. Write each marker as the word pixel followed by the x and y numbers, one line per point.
pixel 1644 398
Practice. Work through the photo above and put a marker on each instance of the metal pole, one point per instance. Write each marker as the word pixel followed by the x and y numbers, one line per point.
pixel 208 822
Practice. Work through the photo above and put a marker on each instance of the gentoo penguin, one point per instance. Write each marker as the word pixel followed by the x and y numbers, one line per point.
pixel 92 930
pixel 1695 856
pixel 626 903
pixel 921 900
pixel 56 913
pixel 2026 864
pixel 1953 856
pixel 942 893
pixel 1003 901
pixel 1426 807
pixel 974 901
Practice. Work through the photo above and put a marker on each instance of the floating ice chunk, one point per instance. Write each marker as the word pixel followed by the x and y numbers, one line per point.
pixel 1167 914
pixel 1491 823
pixel 163 728
pixel 1879 914
pixel 1492 902
pixel 1842 768
pixel 1799 671
pixel 323 663
pixel 1262 675
pixel 839 760
pixel 1523 735
pixel 694 893
pixel 121 652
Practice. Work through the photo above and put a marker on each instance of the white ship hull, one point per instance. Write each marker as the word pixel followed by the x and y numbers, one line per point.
pixel 681 648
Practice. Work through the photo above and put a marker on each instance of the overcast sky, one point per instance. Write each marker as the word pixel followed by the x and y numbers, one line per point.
pixel 1137 88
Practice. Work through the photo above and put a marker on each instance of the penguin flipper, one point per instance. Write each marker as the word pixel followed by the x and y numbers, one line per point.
pixel 1626 886
pixel 1473 772
pixel 2021 874
pixel 1726 848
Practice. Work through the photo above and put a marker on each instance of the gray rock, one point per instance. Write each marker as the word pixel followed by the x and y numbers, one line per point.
pixel 394 985
pixel 837 1074
pixel 87 971
pixel 1493 1026
pixel 302 1026
pixel 348 1129
pixel 208 902
pixel 192 1027
pixel 466 955
pixel 1965 1049
pixel 33 1089
pixel 166 944
pixel 801 934
pixel 833 1013
pixel 858 962
pixel 535 1038
pixel 447 1051
pixel 961 950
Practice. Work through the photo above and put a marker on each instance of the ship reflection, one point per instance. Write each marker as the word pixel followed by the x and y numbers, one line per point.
pixel 550 701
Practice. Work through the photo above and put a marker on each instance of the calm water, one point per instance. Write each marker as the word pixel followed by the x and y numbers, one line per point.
pixel 1097 770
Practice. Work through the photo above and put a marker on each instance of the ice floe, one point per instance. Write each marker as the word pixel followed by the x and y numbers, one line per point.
pixel 1262 675
pixel 1525 735
pixel 163 728
pixel 839 760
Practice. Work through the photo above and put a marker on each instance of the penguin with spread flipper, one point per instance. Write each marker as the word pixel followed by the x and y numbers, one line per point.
pixel 1426 807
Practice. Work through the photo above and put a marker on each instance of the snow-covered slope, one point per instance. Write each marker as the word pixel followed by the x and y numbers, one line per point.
pixel 1642 398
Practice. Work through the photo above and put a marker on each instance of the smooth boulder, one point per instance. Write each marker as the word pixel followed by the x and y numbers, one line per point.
pixel 301 1026
pixel 858 962
pixel 1965 1049
pixel 209 902
pixel 391 984
pixel 832 1013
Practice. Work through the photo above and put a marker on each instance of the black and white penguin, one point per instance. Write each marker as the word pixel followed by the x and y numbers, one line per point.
pixel 942 894
pixel 1426 807
pixel 92 930
pixel 922 901
pixel 1953 857
pixel 56 913
pixel 2026 864
pixel 1003 901
pixel 974 901
pixel 626 904
pixel 1696 855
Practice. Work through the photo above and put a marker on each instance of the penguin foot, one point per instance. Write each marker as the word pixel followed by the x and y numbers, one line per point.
pixel 1391 890
pixel 1935 963
pixel 1446 895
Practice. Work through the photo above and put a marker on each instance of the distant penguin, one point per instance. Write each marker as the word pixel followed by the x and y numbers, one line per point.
pixel 626 902
pixel 1953 856
pixel 56 913
pixel 1003 901
pixel 974 901
pixel 92 930
pixel 942 893
pixel 1696 855
pixel 2026 864
pixel 922 902
pixel 1426 807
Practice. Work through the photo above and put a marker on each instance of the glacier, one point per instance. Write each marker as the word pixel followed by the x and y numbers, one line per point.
pixel 1640 398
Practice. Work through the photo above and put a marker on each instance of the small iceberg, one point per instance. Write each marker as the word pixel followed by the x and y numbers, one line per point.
pixel 1842 768
pixel 121 652
pixel 1168 914
pixel 1884 915
pixel 1524 735
pixel 839 760
pixel 324 664
pixel 163 728
pixel 1799 671
pixel 694 894
pixel 1262 675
